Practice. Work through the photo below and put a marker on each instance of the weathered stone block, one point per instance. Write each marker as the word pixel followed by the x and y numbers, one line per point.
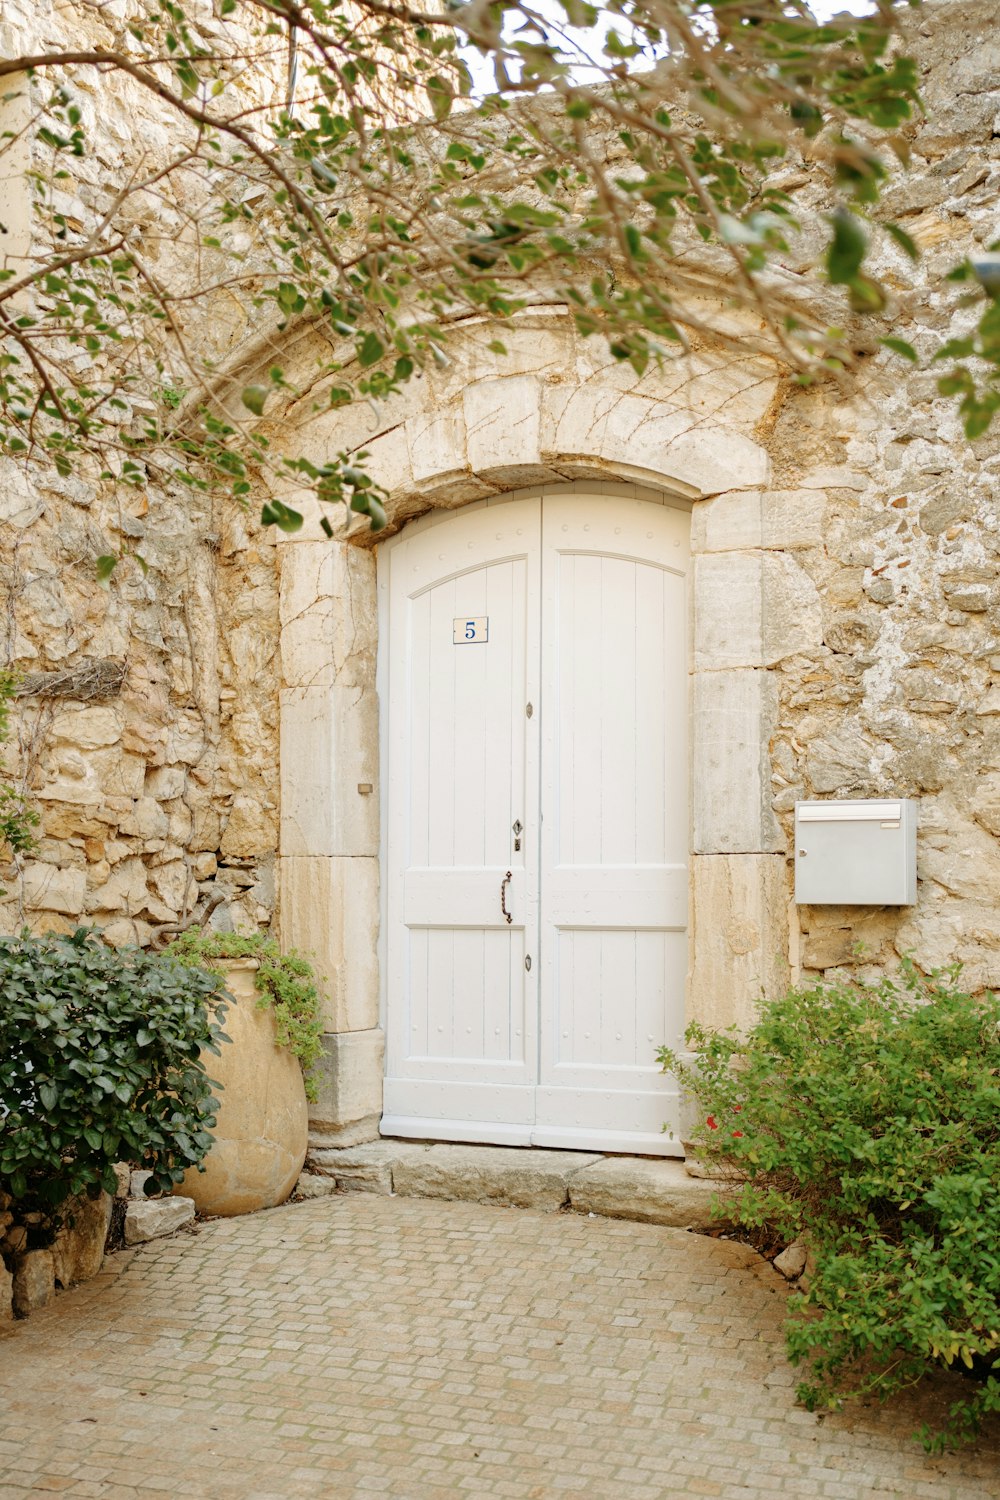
pixel 329 748
pixel 436 440
pixel 49 888
pixel 502 422
pixel 727 523
pixel 490 1174
pixel 364 1169
pixel 733 716
pixel 752 609
pixel 791 613
pixel 78 1249
pixel 34 1281
pixel 349 1083
pixel 649 1190
pixel 330 909
pixel 739 936
pixel 152 1218
pixel 88 728
pixel 314 1185
pixel 740 520
pixel 165 783
pixel 6 1294
pixel 251 828
pixel 328 626
pixel 728 601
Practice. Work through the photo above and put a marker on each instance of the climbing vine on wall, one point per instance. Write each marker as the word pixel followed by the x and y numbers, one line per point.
pixel 17 817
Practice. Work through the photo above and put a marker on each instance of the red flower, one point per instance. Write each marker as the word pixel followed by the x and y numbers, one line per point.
pixel 737 1108
pixel 710 1122
pixel 737 1132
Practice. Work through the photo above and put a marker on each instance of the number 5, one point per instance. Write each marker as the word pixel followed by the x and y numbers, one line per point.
pixel 470 630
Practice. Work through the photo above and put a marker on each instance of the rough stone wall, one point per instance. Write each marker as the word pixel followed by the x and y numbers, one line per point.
pixel 146 733
pixel 147 730
pixel 899 691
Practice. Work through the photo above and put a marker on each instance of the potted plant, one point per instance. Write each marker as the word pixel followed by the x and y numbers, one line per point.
pixel 274 1024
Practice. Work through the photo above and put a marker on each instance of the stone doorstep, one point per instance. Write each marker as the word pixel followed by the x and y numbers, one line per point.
pixel 650 1190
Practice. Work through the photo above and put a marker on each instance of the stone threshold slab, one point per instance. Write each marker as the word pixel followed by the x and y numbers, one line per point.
pixel 650 1190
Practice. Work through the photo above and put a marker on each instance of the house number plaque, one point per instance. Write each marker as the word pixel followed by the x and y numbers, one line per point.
pixel 467 632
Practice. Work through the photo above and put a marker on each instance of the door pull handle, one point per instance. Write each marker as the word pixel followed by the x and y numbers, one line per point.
pixel 503 895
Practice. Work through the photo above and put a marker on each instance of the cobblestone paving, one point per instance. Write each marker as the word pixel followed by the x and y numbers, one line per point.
pixel 362 1346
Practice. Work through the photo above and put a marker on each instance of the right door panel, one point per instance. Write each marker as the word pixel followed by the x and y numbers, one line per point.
pixel 614 833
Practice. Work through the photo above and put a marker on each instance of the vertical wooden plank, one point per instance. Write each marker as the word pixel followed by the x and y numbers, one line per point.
pixel 468 984
pixel 418 770
pixel 440 768
pixel 617 999
pixel 579 659
pixel 675 728
pixel 653 997
pixel 472 722
pixel 415 1037
pixel 615 685
pixel 654 763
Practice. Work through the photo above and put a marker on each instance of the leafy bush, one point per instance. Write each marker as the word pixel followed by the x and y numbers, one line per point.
pixel 866 1121
pixel 99 1063
pixel 284 984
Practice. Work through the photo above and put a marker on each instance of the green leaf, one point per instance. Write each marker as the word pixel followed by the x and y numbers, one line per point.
pixel 900 346
pixel 847 249
pixel 276 513
pixel 866 295
pixel 441 96
pixel 104 568
pixel 254 397
pixel 905 241
pixel 371 350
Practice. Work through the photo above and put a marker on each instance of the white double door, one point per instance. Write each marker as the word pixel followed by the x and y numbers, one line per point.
pixel 536 822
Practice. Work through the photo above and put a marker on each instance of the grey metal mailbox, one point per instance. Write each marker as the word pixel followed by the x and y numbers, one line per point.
pixel 856 853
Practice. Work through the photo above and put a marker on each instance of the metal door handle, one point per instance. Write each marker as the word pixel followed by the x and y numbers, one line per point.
pixel 503 895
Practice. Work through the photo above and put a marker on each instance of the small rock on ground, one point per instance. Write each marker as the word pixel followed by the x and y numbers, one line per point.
pixel 792 1262
pixel 149 1218
pixel 314 1185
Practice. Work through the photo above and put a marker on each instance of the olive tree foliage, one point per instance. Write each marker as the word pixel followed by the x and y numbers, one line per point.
pixel 333 161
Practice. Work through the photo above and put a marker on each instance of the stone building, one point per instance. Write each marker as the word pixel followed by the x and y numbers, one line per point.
pixel 618 627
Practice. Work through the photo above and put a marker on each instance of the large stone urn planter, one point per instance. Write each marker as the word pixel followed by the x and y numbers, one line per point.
pixel 262 1129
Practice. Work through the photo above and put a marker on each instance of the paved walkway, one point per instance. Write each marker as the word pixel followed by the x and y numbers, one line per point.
pixel 359 1346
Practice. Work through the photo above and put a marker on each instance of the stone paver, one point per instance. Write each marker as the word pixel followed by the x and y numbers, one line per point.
pixel 360 1345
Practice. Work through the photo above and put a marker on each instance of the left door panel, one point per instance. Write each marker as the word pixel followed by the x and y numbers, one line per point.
pixel 463 659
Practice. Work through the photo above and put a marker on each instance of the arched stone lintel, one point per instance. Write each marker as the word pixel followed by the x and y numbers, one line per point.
pixel 513 432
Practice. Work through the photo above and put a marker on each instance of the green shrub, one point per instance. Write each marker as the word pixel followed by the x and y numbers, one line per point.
pixel 866 1121
pixel 99 1063
pixel 284 984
